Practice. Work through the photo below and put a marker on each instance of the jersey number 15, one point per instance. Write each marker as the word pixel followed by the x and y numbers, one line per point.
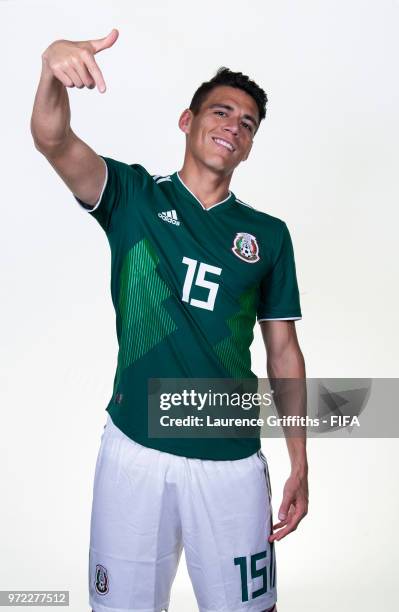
pixel 200 281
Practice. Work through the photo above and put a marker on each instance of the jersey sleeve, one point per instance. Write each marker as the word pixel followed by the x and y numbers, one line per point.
pixel 279 295
pixel 118 188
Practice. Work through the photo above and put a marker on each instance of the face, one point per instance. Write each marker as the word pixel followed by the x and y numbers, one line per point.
pixel 220 136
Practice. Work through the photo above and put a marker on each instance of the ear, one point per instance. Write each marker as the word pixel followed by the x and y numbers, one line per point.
pixel 185 121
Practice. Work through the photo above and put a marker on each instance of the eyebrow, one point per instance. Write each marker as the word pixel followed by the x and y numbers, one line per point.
pixel 228 107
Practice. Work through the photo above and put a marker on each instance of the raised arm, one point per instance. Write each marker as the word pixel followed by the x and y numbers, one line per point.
pixel 69 64
pixel 285 361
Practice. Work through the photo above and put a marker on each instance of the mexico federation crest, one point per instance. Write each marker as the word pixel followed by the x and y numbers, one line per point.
pixel 246 247
pixel 101 580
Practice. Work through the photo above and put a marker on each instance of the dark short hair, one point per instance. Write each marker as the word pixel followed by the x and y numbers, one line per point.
pixel 224 76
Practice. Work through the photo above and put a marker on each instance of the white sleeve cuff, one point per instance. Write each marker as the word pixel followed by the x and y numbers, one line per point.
pixel 91 208
pixel 281 319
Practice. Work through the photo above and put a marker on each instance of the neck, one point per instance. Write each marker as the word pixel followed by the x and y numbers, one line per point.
pixel 208 186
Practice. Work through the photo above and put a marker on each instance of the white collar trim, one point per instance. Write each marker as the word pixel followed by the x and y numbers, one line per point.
pixel 199 201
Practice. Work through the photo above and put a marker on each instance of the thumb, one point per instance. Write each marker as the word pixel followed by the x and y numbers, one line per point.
pixel 104 43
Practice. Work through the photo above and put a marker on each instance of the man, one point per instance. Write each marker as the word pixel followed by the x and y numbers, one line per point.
pixel 192 268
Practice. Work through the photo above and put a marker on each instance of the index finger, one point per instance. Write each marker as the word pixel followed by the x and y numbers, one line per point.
pixel 95 72
pixel 291 525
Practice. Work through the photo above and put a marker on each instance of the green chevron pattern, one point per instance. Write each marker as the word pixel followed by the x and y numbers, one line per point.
pixel 145 321
pixel 233 351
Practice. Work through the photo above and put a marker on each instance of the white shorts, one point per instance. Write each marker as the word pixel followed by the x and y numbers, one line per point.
pixel 148 505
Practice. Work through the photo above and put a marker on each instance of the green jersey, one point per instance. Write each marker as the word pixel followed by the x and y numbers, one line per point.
pixel 187 284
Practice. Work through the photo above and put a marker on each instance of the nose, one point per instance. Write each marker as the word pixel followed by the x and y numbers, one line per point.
pixel 232 127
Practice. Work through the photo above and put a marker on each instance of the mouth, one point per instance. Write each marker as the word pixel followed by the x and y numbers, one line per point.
pixel 220 142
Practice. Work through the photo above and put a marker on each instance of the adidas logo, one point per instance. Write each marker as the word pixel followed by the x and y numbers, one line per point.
pixel 169 216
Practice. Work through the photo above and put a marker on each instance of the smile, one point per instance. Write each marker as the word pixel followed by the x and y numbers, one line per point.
pixel 224 143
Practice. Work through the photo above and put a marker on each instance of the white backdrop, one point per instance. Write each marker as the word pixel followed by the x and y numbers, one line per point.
pixel 323 160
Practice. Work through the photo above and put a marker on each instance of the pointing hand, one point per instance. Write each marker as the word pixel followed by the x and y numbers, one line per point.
pixel 73 63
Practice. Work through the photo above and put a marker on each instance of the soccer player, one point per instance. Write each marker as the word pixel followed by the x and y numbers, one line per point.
pixel 192 268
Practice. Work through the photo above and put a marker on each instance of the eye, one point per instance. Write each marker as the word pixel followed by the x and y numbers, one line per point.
pixel 247 126
pixel 221 112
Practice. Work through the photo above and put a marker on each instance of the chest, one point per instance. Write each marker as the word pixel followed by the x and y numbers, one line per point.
pixel 208 259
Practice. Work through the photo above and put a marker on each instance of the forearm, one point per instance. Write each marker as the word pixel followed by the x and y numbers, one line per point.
pixel 50 121
pixel 289 363
pixel 288 378
pixel 298 457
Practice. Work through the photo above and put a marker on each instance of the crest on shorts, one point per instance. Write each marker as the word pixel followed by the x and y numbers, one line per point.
pixel 246 247
pixel 101 580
